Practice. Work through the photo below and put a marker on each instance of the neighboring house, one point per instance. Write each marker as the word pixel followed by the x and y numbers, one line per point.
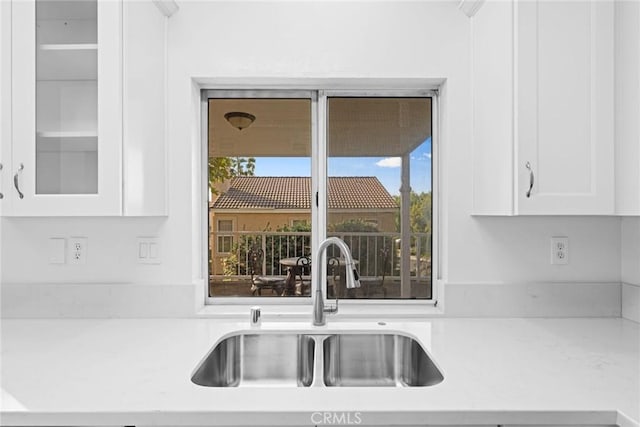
pixel 260 203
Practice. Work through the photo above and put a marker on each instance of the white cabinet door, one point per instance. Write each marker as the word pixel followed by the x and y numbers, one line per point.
pixel 67 108
pixel 5 104
pixel 564 72
pixel 627 111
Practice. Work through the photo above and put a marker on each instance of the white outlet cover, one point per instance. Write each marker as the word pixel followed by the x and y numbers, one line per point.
pixel 78 250
pixel 560 250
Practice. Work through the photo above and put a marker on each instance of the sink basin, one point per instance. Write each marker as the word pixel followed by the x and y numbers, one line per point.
pixel 289 359
pixel 377 360
pixel 258 360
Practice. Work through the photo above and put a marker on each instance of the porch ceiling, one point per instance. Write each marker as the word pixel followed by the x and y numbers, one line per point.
pixel 358 127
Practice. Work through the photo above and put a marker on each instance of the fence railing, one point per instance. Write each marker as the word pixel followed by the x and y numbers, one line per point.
pixel 367 248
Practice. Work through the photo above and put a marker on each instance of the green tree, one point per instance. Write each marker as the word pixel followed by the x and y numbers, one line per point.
pixel 420 210
pixel 222 169
pixel 353 226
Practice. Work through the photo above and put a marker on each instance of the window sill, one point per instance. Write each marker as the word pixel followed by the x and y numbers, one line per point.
pixel 349 310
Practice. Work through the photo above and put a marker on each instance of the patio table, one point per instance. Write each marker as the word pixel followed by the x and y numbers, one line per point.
pixel 294 269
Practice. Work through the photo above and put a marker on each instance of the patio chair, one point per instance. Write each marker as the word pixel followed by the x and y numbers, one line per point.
pixel 372 285
pixel 299 278
pixel 259 282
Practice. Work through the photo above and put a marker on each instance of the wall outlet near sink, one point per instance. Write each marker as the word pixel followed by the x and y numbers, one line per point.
pixel 560 250
pixel 78 250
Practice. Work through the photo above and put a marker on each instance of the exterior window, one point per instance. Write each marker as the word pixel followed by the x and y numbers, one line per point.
pixel 225 238
pixel 380 192
pixel 373 190
pixel 259 173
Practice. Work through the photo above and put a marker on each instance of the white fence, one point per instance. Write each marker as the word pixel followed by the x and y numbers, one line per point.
pixel 368 248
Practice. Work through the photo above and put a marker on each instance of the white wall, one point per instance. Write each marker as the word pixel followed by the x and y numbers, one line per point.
pixel 312 40
pixel 631 268
pixel 631 250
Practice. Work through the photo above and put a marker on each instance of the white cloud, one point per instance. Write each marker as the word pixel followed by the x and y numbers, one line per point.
pixel 427 155
pixel 390 162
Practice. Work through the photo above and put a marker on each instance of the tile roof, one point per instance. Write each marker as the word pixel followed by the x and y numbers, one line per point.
pixel 276 192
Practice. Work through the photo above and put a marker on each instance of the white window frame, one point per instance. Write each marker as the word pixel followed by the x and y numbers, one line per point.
pixel 318 96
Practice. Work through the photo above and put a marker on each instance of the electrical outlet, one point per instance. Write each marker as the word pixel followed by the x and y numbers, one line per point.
pixel 148 250
pixel 78 250
pixel 560 250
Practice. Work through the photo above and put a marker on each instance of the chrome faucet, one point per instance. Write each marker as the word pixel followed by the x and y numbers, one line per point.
pixel 352 279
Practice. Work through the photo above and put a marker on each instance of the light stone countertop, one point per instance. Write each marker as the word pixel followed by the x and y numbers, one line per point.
pixel 497 371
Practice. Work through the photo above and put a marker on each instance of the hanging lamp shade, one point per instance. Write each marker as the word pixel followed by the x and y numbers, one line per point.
pixel 239 119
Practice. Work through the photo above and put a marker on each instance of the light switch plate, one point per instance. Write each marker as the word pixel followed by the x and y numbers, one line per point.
pixel 56 250
pixel 148 250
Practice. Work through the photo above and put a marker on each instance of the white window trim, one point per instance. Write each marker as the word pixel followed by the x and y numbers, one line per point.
pixel 246 89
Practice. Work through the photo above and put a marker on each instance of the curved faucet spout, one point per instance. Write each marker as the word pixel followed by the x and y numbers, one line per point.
pixel 352 280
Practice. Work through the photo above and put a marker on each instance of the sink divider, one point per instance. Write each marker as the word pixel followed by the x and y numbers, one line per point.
pixel 318 362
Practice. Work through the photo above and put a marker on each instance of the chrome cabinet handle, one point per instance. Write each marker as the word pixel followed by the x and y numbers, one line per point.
pixel 528 166
pixel 1 195
pixel 15 181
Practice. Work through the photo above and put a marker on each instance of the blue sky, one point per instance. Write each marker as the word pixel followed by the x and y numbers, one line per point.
pixel 386 169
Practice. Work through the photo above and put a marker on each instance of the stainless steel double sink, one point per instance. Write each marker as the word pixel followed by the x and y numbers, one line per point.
pixel 308 359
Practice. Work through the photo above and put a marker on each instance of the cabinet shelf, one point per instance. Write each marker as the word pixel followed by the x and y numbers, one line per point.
pixel 69 46
pixel 67 134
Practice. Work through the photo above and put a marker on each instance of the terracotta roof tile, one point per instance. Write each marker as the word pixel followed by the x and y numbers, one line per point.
pixel 275 192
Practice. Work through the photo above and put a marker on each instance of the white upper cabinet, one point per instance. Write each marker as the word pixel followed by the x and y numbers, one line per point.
pixel 627 108
pixel 565 107
pixel 83 108
pixel 5 104
pixel 67 107
pixel 543 108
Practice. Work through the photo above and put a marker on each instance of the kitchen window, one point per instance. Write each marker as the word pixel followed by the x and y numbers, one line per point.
pixel 295 167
